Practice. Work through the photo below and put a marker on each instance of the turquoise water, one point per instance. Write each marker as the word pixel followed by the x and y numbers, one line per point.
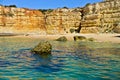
pixel 69 60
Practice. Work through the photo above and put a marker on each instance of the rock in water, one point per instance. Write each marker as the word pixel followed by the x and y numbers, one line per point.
pixel 43 48
pixel 63 38
pixel 91 39
pixel 79 38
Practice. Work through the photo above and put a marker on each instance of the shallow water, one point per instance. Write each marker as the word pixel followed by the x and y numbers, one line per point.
pixel 69 60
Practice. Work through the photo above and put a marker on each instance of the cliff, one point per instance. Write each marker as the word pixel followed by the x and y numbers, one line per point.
pixel 21 20
pixel 103 17
pixel 63 20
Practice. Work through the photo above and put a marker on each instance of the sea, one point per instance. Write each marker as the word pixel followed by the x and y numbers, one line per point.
pixel 70 60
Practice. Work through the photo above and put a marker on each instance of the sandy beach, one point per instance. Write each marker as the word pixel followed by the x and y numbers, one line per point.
pixel 114 38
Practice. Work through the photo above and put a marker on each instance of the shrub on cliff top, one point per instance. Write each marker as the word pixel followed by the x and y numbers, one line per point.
pixel 87 4
pixel 65 7
pixel 45 10
pixel 11 6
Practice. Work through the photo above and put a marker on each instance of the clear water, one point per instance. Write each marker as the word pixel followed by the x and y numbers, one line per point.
pixel 69 60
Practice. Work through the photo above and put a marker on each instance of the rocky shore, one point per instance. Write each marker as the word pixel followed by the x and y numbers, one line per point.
pixel 114 38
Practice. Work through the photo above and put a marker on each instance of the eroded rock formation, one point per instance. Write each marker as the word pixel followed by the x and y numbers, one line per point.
pixel 21 20
pixel 63 20
pixel 103 17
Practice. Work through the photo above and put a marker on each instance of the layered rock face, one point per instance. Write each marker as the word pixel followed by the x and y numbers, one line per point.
pixel 61 21
pixel 21 20
pixel 103 17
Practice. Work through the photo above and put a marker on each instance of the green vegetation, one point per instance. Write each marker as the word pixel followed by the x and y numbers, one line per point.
pixel 11 6
pixel 65 7
pixel 87 4
pixel 45 10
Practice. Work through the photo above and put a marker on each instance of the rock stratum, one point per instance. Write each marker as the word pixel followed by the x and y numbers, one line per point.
pixel 102 17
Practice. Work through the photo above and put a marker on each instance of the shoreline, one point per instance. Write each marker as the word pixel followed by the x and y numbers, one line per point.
pixel 108 37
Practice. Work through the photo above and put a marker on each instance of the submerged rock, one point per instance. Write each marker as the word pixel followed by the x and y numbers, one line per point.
pixel 79 38
pixel 91 39
pixel 43 48
pixel 82 38
pixel 63 38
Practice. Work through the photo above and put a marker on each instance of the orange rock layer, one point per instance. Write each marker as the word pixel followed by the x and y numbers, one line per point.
pixel 100 17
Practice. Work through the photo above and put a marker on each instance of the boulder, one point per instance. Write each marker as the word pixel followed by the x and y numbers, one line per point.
pixel 91 39
pixel 80 38
pixel 63 38
pixel 43 48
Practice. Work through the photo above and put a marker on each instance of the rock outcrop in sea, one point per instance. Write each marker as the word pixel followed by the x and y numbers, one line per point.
pixel 43 48
pixel 63 39
pixel 102 17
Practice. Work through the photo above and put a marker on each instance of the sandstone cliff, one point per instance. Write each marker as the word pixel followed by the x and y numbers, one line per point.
pixel 63 20
pixel 103 17
pixel 21 20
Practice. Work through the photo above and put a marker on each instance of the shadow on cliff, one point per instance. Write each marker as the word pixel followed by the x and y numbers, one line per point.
pixel 78 29
pixel 117 36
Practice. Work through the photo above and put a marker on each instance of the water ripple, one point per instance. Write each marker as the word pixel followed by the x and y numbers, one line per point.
pixel 69 60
